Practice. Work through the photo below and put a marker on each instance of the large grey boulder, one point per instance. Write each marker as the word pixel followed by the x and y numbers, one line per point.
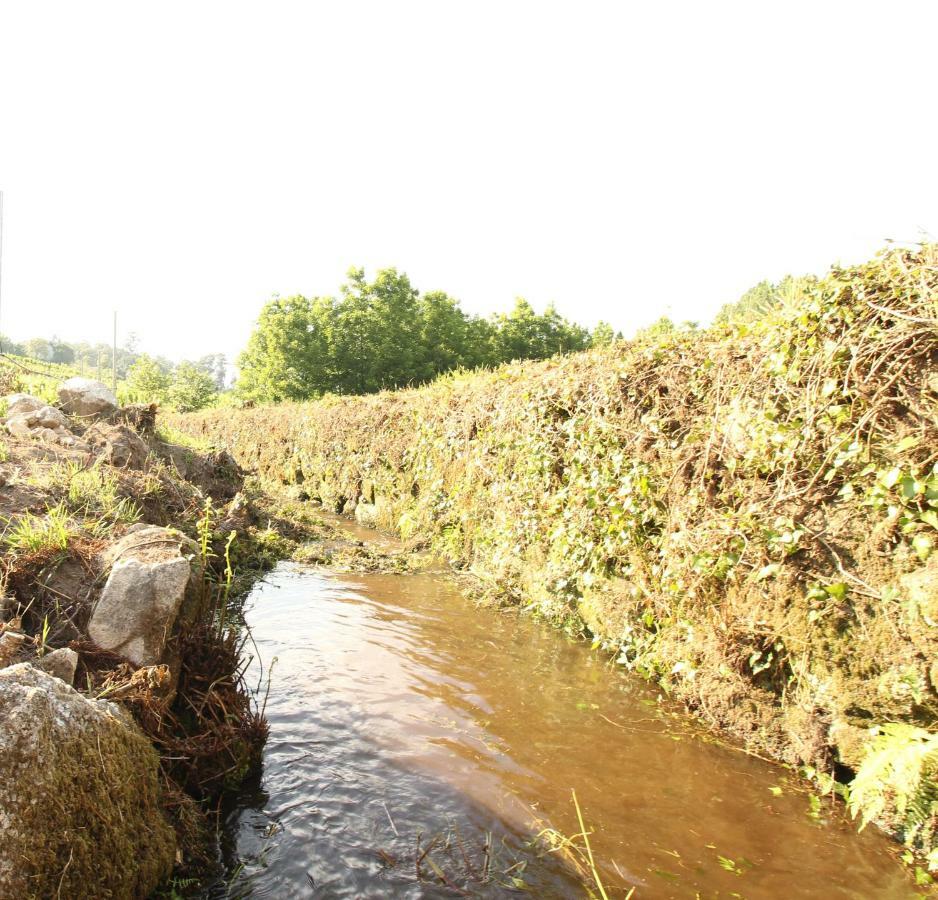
pixel 87 397
pixel 150 572
pixel 80 810
pixel 22 403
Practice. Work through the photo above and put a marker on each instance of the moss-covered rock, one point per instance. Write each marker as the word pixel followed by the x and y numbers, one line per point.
pixel 80 810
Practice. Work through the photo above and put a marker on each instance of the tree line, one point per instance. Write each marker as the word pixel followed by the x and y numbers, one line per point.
pixel 374 335
pixel 141 378
pixel 384 333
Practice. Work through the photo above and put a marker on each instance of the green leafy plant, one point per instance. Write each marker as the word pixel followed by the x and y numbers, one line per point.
pixel 899 778
pixel 31 532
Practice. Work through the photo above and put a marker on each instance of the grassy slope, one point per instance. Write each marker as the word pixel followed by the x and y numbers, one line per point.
pixel 746 513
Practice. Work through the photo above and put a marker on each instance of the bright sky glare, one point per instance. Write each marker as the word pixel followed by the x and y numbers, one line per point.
pixel 182 162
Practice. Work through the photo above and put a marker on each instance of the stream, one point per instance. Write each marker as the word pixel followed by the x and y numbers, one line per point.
pixel 418 744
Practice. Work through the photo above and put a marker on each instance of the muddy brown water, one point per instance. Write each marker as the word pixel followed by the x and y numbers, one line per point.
pixel 404 717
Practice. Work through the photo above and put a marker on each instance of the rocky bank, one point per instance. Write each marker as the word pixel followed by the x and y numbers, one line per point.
pixel 111 628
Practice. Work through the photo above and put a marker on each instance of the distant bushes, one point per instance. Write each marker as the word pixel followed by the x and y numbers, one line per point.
pixel 184 387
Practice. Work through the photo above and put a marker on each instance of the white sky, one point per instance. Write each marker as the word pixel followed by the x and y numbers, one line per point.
pixel 181 162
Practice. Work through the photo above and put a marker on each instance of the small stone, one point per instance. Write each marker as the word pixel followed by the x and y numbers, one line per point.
pixel 11 642
pixel 18 428
pixel 367 514
pixel 60 663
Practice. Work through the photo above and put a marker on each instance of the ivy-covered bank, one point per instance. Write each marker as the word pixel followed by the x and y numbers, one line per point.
pixel 747 514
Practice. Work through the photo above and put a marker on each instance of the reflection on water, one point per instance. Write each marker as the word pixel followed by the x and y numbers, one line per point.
pixel 403 718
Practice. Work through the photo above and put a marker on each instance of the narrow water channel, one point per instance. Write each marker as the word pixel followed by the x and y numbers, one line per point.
pixel 404 718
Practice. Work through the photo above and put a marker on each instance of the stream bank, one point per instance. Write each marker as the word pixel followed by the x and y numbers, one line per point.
pixel 123 713
pixel 746 515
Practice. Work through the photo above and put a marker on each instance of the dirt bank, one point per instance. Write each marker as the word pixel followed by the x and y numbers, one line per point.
pixel 746 514
pixel 73 499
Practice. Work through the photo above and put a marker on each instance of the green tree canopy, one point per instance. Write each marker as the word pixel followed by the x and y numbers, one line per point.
pixel 383 333
pixel 191 388
pixel 147 382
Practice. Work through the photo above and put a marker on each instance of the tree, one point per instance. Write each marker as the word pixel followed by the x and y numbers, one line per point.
pixel 147 382
pixel 523 334
pixel 763 298
pixel 384 334
pixel 286 357
pixel 61 352
pixel 39 348
pixel 216 365
pixel 191 388
pixel 446 337
pixel 10 346
pixel 602 335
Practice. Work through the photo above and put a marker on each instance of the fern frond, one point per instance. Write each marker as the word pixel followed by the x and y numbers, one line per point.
pixel 898 778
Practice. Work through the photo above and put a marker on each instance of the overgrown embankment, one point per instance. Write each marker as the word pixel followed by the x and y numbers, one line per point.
pixel 97 593
pixel 747 514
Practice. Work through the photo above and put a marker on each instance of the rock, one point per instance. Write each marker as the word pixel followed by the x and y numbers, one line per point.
pixel 121 446
pixel 11 643
pixel 47 417
pixel 86 397
pixel 850 741
pixel 367 514
pixel 150 571
pixel 45 423
pixel 80 810
pixel 920 589
pixel 18 428
pixel 43 417
pixel 237 516
pixel 22 403
pixel 54 436
pixel 60 664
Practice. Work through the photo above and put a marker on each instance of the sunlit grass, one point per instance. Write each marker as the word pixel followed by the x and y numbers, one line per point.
pixel 92 492
pixel 31 533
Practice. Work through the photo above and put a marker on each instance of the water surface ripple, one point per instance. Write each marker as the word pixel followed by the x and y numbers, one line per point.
pixel 400 713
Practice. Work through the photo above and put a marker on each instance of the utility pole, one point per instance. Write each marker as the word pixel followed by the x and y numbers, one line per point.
pixel 114 357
